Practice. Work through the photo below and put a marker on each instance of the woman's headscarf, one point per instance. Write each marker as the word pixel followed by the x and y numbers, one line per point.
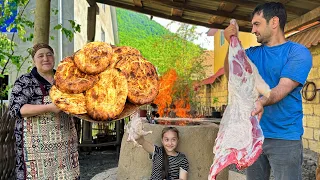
pixel 38 46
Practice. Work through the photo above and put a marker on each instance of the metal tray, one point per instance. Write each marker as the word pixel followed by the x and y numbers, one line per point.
pixel 128 110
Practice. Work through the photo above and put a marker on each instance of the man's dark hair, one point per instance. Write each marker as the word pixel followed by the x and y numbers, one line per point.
pixel 270 10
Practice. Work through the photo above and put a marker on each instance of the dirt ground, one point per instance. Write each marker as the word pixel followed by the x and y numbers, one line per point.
pixel 98 161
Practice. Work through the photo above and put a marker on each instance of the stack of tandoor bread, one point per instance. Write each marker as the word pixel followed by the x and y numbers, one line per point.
pixel 98 80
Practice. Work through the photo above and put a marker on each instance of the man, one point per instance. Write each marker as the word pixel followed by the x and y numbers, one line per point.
pixel 284 66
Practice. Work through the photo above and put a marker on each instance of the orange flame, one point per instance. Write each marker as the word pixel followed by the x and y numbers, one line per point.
pixel 182 108
pixel 164 98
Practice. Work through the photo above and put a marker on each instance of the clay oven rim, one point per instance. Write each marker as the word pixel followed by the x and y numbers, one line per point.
pixel 188 121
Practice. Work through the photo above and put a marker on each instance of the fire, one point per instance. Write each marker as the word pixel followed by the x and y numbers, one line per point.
pixel 164 98
pixel 182 108
pixel 181 123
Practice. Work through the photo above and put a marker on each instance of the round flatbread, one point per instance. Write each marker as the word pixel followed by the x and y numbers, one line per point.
pixel 69 79
pixel 126 50
pixel 106 99
pixel 142 79
pixel 94 57
pixel 118 52
pixel 71 103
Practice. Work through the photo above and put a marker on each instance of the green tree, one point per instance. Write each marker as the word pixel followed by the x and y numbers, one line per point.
pixel 24 26
pixel 164 49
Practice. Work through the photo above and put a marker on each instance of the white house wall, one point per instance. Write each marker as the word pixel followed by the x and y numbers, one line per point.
pixel 80 16
pixel 103 20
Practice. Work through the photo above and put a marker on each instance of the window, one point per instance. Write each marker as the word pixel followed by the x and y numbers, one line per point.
pixel 221 38
pixel 3 85
pixel 104 7
pixel 103 35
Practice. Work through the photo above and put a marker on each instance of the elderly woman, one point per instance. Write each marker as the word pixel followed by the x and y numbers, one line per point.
pixel 46 138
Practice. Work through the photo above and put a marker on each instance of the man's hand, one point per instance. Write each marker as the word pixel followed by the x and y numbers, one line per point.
pixel 258 110
pixel 231 30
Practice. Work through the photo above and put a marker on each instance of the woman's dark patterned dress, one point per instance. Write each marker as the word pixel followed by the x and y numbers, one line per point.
pixel 46 144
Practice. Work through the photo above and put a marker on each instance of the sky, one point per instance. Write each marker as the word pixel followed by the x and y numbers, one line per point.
pixel 204 41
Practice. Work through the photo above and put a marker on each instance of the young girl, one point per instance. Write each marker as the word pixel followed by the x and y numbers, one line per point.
pixel 167 163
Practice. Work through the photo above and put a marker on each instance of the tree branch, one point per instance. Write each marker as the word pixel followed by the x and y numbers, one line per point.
pixel 12 38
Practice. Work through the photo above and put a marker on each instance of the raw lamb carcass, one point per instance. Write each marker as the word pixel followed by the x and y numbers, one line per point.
pixel 240 137
pixel 135 129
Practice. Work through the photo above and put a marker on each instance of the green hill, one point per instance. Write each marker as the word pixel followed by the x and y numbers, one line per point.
pixel 139 25
pixel 164 49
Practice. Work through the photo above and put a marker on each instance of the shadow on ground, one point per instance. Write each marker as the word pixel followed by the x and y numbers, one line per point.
pixel 96 162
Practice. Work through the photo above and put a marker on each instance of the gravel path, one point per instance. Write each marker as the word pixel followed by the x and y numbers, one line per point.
pixel 110 174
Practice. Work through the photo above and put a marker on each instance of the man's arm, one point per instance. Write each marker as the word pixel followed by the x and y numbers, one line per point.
pixel 279 92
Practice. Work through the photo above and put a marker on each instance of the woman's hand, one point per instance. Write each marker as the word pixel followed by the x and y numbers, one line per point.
pixel 53 108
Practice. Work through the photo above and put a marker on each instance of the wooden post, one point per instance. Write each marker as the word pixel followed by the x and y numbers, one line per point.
pixel 118 137
pixel 91 23
pixel 42 21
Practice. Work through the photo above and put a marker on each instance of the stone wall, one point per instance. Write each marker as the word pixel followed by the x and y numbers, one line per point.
pixel 311 109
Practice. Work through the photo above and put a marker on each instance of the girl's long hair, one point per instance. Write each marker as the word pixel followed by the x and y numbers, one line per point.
pixel 165 159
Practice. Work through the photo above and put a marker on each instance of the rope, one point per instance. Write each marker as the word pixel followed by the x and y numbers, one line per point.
pixel 305 91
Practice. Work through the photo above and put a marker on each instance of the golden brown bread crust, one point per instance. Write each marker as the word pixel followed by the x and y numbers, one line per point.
pixel 71 103
pixel 69 79
pixel 126 50
pixel 106 99
pixel 142 79
pixel 118 52
pixel 94 57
